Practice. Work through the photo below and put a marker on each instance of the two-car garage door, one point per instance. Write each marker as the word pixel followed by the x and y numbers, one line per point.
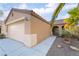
pixel 16 31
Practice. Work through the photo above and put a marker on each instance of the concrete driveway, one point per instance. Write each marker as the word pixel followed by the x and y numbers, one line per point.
pixel 14 48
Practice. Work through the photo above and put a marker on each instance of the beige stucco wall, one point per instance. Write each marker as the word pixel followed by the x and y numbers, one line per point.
pixel 40 28
pixel 3 28
pixel 17 15
pixel 31 37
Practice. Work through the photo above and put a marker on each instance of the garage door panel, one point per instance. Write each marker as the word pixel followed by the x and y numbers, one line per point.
pixel 16 31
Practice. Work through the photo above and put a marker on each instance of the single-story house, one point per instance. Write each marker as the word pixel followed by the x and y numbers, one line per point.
pixel 26 26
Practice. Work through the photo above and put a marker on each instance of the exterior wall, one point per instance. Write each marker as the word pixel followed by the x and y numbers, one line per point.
pixel 15 15
pixel 39 28
pixel 3 28
pixel 31 37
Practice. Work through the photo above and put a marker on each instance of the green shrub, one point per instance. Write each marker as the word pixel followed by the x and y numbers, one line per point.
pixel 66 34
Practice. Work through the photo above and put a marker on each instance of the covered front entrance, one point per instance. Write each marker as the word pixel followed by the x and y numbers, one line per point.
pixel 55 30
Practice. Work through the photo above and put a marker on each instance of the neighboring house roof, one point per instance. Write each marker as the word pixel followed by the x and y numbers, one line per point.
pixel 60 22
pixel 27 11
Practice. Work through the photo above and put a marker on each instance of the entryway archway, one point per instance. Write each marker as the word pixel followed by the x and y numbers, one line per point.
pixel 55 30
pixel 62 27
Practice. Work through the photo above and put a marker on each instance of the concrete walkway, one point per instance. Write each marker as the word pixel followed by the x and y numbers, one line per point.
pixel 15 48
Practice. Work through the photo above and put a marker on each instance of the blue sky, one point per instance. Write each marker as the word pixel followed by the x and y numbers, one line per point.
pixel 43 9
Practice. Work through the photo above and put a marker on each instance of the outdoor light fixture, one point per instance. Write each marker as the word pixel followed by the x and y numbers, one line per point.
pixel 26 18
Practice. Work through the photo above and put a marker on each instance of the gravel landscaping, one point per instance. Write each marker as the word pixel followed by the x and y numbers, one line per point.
pixel 63 49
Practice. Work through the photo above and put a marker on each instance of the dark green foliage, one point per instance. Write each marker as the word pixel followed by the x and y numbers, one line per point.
pixel 66 34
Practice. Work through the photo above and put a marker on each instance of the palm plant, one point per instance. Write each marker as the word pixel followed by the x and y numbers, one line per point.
pixel 73 21
pixel 57 11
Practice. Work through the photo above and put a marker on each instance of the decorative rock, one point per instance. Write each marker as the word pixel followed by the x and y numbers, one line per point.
pixel 68 42
pixel 59 46
pixel 74 48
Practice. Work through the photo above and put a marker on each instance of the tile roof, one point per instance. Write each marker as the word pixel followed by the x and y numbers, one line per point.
pixel 59 21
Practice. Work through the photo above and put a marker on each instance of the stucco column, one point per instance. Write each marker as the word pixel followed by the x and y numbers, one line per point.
pixel 60 30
